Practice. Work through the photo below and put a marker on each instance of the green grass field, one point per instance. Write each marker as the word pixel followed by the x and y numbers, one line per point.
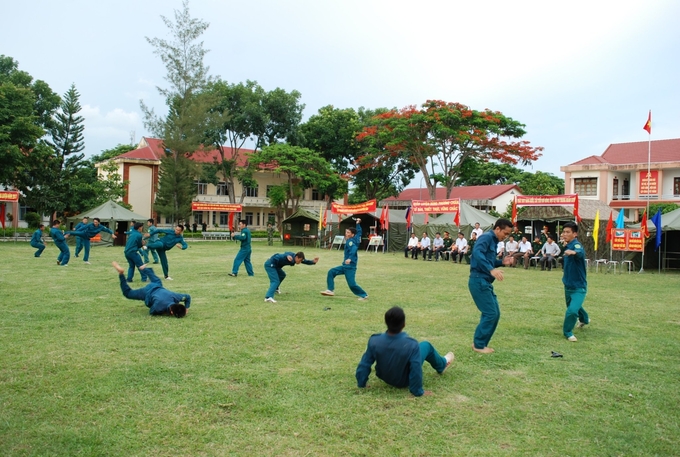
pixel 85 372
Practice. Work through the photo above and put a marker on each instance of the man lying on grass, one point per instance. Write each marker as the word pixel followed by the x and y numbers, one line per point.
pixel 398 357
pixel 158 299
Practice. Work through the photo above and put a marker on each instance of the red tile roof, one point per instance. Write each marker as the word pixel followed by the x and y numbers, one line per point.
pixel 636 153
pixel 155 151
pixel 463 192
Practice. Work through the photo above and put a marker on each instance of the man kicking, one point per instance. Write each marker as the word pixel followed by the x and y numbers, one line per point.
pixel 398 357
pixel 158 299
pixel 172 238
pixel 89 231
pixel 349 265
pixel 274 268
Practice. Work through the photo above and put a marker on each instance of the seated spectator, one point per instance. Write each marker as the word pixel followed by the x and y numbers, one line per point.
pixel 477 230
pixel 471 244
pixel 412 247
pixel 525 252
pixel 500 249
pixel 537 245
pixel 461 248
pixel 512 248
pixel 425 247
pixel 549 251
pixel 437 246
pixel 448 244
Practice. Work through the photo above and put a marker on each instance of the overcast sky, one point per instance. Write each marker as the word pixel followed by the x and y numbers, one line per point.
pixel 580 75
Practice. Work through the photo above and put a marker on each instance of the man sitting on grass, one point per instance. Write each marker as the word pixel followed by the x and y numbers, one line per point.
pixel 398 357
pixel 158 299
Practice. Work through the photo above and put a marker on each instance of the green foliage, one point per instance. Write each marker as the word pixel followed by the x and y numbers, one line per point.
pixel 26 109
pixel 476 173
pixel 303 168
pixel 33 220
pixel 176 187
pixel 665 208
pixel 108 154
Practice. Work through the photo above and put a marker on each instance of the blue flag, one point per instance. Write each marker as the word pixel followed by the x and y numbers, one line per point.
pixel 657 223
pixel 619 219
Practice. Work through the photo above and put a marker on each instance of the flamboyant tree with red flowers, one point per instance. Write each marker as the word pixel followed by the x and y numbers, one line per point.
pixel 439 136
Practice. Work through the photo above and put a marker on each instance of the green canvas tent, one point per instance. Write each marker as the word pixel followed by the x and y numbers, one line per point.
pixel 114 216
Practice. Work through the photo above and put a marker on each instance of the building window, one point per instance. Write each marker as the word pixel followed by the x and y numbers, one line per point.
pixel 224 219
pixel 258 220
pixel 615 189
pixel 585 186
pixel 316 195
pixel 249 218
pixel 202 188
pixel 251 191
pixel 625 189
pixel 198 217
pixel 222 189
pixel 676 187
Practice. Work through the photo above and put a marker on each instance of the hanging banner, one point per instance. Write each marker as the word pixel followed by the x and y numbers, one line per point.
pixel 649 183
pixel 365 207
pixel 628 240
pixel 9 196
pixel 220 207
pixel 546 200
pixel 436 206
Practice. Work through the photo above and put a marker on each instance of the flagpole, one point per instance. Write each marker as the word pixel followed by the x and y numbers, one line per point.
pixel 648 127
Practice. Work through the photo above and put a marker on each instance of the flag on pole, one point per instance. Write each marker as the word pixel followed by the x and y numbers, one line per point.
pixel 514 212
pixel 596 228
pixel 2 215
pixel 610 227
pixel 325 218
pixel 385 218
pixel 657 223
pixel 619 219
pixel 231 222
pixel 427 218
pixel 321 217
pixel 643 225
pixel 408 219
pixel 648 124
pixel 456 219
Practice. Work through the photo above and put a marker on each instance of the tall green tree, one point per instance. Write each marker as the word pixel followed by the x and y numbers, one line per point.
pixel 49 187
pixel 246 112
pixel 440 136
pixel 26 109
pixel 474 173
pixel 303 168
pixel 187 102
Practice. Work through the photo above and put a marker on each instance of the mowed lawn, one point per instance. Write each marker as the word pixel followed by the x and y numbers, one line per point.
pixel 85 372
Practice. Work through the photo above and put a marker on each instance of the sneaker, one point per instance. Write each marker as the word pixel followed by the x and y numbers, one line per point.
pixel 363 298
pixel 449 358
pixel 278 291
pixel 58 262
pixel 572 338
pixel 168 278
pixel 232 274
pixel 582 324
pixel 86 262
pixel 269 300
pixel 328 293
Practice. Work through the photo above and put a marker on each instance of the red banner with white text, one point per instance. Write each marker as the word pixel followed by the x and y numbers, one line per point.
pixel 365 207
pixel 220 207
pixel 436 206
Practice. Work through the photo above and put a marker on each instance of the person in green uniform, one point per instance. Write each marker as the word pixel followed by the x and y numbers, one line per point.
pixel 574 280
pixel 132 246
pixel 172 238
pixel 243 255
pixel 471 245
pixel 79 241
pixel 37 240
pixel 270 235
pixel 59 239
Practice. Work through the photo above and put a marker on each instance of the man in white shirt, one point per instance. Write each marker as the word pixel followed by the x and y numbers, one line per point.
pixel 511 248
pixel 438 246
pixel 461 248
pixel 500 249
pixel 477 230
pixel 412 247
pixel 525 251
pixel 425 246
pixel 550 251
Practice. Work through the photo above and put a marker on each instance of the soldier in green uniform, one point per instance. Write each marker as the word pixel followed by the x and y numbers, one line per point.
pixel 574 279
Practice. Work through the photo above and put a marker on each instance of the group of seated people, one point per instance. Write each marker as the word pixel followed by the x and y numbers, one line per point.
pixel 442 247
pixel 544 250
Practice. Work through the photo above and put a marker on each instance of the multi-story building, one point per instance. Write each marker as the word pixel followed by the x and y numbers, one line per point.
pixel 485 198
pixel 140 168
pixel 620 176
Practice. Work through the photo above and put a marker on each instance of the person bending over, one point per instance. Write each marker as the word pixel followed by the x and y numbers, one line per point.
pixel 274 268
